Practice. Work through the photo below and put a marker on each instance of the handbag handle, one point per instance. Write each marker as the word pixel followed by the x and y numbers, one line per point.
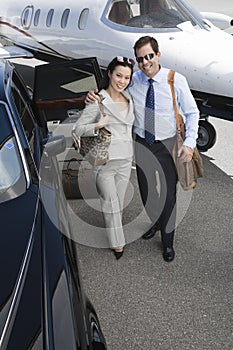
pixel 171 75
pixel 101 106
pixel 76 139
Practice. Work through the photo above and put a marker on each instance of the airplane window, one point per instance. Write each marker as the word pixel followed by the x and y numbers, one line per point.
pixel 65 17
pixel 36 17
pixel 82 22
pixel 26 16
pixel 49 18
pixel 149 13
pixel 120 12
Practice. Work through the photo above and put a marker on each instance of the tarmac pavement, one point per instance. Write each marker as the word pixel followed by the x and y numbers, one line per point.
pixel 144 302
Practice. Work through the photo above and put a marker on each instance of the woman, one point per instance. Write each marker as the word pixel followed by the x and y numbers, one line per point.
pixel 112 178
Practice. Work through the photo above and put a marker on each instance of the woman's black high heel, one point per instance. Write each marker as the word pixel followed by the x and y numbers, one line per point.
pixel 118 255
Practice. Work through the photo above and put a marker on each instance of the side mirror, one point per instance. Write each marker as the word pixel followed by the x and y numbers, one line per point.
pixel 54 145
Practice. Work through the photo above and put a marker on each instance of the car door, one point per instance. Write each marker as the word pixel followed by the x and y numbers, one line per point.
pixel 62 86
pixel 60 89
pixel 59 92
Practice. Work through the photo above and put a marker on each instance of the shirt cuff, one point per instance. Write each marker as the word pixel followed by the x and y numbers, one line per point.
pixel 190 142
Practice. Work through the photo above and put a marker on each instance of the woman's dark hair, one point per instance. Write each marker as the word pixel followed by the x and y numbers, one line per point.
pixel 117 61
pixel 144 40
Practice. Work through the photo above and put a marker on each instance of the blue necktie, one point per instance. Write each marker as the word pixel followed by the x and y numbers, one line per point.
pixel 149 114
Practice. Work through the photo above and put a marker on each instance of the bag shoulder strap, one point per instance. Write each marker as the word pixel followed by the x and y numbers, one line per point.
pixel 170 80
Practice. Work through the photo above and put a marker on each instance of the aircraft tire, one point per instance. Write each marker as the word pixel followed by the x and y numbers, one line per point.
pixel 206 136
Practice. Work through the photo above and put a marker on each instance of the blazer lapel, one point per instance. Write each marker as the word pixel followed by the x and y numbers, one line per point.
pixel 109 105
pixel 112 106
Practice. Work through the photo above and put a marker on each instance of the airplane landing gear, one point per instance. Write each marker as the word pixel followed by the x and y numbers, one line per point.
pixel 206 136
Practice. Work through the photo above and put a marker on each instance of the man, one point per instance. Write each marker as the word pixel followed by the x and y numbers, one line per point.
pixel 155 130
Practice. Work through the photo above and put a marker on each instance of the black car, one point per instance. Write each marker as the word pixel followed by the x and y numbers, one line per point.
pixel 42 303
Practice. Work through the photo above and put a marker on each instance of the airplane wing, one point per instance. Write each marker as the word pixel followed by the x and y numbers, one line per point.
pixel 14 52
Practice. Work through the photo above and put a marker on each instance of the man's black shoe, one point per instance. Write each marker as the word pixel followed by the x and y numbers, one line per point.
pixel 151 232
pixel 168 254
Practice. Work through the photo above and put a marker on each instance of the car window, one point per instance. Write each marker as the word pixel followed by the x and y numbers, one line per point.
pixel 63 85
pixel 12 178
pixel 22 102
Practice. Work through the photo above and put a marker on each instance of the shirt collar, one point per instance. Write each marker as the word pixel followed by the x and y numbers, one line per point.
pixel 157 77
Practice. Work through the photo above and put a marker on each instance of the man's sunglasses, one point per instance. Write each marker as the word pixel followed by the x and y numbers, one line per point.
pixel 147 57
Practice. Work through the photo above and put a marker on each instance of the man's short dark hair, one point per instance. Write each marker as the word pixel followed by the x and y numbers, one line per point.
pixel 144 40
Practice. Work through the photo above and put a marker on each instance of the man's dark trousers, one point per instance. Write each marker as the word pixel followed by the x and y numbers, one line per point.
pixel 155 162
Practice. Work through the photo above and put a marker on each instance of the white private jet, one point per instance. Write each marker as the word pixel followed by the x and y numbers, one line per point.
pixel 191 43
